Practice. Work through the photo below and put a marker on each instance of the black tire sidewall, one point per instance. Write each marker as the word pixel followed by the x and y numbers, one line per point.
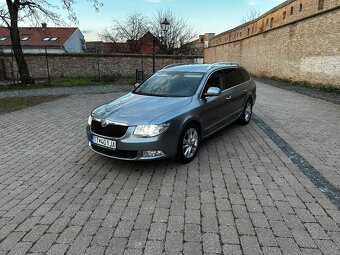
pixel 243 120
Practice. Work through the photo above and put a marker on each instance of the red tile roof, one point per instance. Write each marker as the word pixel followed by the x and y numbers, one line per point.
pixel 37 34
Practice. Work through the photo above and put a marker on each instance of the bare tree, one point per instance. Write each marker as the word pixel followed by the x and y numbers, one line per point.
pixel 129 30
pixel 33 11
pixel 179 33
pixel 251 16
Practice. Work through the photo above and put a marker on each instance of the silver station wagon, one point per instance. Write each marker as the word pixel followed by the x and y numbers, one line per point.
pixel 169 114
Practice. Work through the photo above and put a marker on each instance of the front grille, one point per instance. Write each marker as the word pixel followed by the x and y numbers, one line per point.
pixel 110 130
pixel 116 153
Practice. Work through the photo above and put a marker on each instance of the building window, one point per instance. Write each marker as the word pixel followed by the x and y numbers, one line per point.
pixel 24 38
pixel 321 4
pixel 3 38
pixel 271 22
pixel 54 39
pixel 47 39
pixel 267 22
pixel 300 8
pixel 248 30
pixel 284 15
pixel 292 10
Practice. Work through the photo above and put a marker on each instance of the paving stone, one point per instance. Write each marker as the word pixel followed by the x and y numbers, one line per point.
pixel 316 231
pixel 116 246
pixel 58 249
pixel 124 229
pixel 271 251
pixel 250 245
pixel 69 234
pixel 20 248
pixel 104 234
pixel 209 224
pixel 288 245
pixel 174 241
pixel 192 233
pixel 245 227
pixel 211 243
pixel 192 248
pixel 176 223
pixel 157 231
pixel 153 248
pixel 44 243
pixel 80 245
pixel 137 239
pixel 11 240
pixel 229 235
pixel 266 237
pixel 232 249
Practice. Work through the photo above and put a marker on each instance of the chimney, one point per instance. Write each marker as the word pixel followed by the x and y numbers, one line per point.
pixel 44 25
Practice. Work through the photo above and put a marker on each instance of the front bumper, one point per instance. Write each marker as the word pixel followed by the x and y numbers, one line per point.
pixel 131 148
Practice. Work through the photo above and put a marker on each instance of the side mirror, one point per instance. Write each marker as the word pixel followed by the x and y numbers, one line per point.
pixel 213 92
pixel 136 85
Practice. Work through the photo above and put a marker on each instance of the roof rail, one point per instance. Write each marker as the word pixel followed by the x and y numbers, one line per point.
pixel 223 64
pixel 178 64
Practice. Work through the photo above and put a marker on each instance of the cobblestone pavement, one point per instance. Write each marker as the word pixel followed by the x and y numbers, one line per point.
pixel 66 91
pixel 331 97
pixel 241 195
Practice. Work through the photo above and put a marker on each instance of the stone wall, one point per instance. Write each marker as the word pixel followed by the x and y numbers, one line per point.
pixel 90 65
pixel 302 47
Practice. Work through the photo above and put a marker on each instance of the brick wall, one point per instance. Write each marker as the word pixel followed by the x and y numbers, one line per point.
pixel 302 47
pixel 89 65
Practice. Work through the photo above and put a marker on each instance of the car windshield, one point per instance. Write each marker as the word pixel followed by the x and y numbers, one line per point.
pixel 170 84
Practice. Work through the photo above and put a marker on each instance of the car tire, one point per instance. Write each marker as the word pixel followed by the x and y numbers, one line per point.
pixel 188 143
pixel 247 113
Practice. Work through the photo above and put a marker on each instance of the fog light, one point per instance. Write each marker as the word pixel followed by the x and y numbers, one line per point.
pixel 151 154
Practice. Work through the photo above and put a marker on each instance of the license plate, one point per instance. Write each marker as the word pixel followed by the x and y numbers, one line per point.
pixel 104 142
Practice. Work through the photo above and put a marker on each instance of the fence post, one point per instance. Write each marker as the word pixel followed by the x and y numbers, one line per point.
pixel 47 66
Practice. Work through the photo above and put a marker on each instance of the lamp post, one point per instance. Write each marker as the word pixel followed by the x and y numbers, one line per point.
pixel 164 27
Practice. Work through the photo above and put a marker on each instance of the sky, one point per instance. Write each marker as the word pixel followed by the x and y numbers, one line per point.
pixel 205 16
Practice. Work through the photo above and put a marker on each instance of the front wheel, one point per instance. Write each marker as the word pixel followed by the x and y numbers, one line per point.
pixel 188 144
pixel 247 113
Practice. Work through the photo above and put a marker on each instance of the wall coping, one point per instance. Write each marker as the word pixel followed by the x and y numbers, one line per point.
pixel 272 29
pixel 117 55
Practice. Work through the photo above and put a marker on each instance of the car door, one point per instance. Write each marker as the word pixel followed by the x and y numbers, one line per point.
pixel 233 93
pixel 212 108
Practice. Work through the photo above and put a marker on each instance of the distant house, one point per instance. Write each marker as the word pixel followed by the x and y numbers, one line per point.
pixel 56 40
pixel 144 45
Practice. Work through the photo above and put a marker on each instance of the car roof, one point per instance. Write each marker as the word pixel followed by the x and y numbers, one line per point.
pixel 199 68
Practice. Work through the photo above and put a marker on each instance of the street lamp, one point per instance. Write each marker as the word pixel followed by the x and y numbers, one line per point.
pixel 165 25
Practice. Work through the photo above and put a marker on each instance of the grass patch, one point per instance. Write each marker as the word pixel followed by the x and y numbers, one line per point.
pixel 69 83
pixel 11 104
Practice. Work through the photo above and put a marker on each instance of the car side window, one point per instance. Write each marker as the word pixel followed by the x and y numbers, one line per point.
pixel 215 80
pixel 231 78
pixel 244 74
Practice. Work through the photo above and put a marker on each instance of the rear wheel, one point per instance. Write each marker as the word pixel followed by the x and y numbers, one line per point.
pixel 188 144
pixel 247 113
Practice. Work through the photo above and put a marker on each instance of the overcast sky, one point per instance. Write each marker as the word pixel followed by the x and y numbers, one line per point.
pixel 205 16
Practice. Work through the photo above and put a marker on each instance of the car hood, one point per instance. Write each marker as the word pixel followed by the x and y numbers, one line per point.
pixel 133 109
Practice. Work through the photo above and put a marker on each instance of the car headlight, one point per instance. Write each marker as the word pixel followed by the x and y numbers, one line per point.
pixel 150 130
pixel 89 121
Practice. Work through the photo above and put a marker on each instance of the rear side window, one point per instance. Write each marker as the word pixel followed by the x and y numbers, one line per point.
pixel 231 78
pixel 244 74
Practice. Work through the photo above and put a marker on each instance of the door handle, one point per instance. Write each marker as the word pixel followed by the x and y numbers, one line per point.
pixel 245 91
pixel 228 98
